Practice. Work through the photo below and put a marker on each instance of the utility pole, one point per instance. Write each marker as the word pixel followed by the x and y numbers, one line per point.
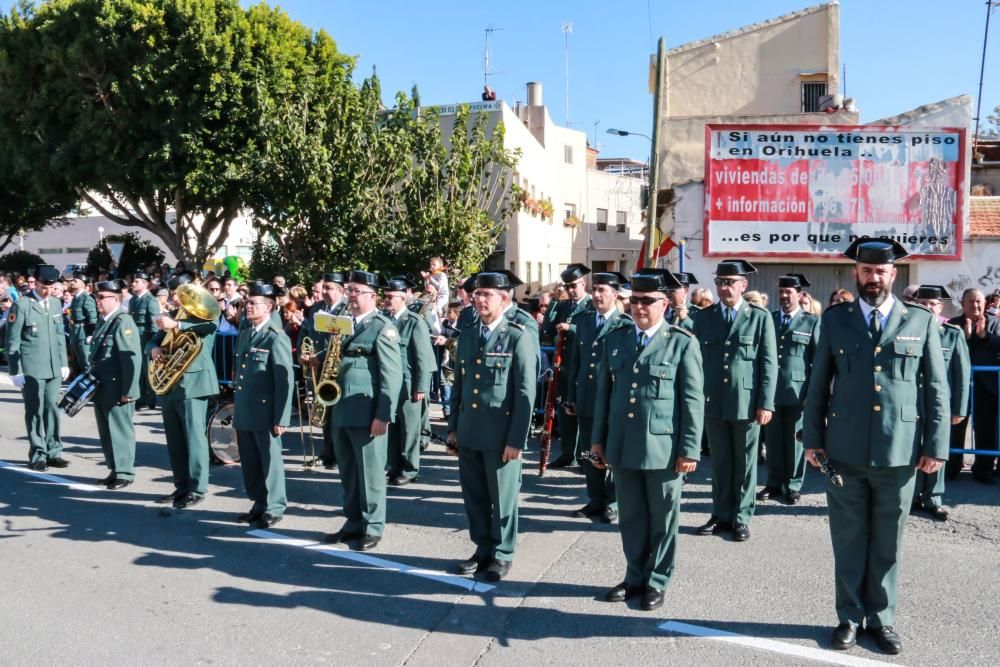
pixel 567 31
pixel 990 5
pixel 654 170
pixel 487 73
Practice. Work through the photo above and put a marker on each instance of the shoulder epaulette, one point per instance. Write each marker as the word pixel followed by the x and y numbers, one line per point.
pixel 810 315
pixel 953 326
pixel 918 305
pixel 676 329
pixel 753 305
pixel 516 325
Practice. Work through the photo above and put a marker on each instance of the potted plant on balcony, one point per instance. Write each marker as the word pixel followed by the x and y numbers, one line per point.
pixel 546 209
pixel 571 221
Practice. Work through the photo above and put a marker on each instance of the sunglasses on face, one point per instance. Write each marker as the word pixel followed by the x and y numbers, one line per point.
pixel 644 300
pixel 728 282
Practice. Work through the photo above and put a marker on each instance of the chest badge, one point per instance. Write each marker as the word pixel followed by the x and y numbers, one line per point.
pixel 614 352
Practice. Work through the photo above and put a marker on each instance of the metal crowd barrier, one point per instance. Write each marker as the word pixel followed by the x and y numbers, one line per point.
pixel 224 355
pixel 972 403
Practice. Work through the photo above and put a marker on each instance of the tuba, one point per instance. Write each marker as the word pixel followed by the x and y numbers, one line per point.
pixel 180 348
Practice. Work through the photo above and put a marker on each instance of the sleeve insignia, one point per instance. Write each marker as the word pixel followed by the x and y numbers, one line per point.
pixel 390 334
pixel 12 318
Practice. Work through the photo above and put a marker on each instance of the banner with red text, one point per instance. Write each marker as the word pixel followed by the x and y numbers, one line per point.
pixel 809 191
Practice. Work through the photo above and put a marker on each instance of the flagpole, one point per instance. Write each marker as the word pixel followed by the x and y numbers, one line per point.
pixel 654 175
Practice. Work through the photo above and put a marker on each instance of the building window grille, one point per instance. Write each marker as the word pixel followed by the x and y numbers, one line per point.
pixel 622 221
pixel 602 219
pixel 811 94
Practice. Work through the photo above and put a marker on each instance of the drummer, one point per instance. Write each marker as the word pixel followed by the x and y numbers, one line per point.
pixel 116 361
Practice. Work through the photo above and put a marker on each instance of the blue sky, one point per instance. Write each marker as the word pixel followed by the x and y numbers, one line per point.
pixel 899 54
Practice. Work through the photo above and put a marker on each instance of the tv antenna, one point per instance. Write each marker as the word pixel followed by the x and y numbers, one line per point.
pixel 567 29
pixel 487 71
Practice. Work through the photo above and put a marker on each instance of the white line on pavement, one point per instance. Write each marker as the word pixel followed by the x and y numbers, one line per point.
pixel 819 655
pixel 451 580
pixel 55 479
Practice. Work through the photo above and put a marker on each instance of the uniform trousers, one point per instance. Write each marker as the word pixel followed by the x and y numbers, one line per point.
pixel 116 429
pixel 649 504
pixel 490 490
pixel 734 468
pixel 263 471
pixel 361 461
pixel 41 417
pixel 184 422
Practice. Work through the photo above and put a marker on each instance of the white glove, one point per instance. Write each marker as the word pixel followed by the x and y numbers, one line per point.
pixel 18 380
pixel 64 372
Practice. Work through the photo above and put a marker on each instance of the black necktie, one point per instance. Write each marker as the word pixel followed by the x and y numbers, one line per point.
pixel 785 321
pixel 600 321
pixel 875 326
pixel 484 333
pixel 640 341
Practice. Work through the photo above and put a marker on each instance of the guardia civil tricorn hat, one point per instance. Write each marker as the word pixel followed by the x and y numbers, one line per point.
pixel 875 251
pixel 796 280
pixel 931 292
pixel 573 272
pixel 497 280
pixel 610 278
pixel 47 274
pixel 654 280
pixel 734 267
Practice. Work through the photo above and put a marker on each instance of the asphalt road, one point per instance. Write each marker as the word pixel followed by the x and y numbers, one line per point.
pixel 89 576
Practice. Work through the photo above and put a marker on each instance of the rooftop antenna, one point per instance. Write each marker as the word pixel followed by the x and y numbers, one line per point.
pixel 567 29
pixel 487 72
pixel 990 6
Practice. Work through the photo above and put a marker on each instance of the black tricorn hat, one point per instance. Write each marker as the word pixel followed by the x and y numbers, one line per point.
pixel 931 292
pixel 364 278
pixel 497 280
pixel 141 275
pixel 179 279
pixel 398 284
pixel 80 276
pixel 469 284
pixel 113 286
pixel 654 280
pixel 47 274
pixel 262 289
pixel 796 280
pixel 610 278
pixel 573 272
pixel 734 267
pixel 875 251
pixel 334 277
pixel 686 278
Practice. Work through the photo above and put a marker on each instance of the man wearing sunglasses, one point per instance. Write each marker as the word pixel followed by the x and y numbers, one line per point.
pixel 491 408
pixel 877 408
pixel 741 371
pixel 561 322
pixel 648 410
pixel 36 357
pixel 681 310
pixel 370 378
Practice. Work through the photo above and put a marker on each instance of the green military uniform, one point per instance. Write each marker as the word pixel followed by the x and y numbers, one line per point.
pixel 567 312
pixel 83 322
pixel 740 378
pixel 492 400
pixel 797 339
pixel 955 351
pixel 263 399
pixel 648 411
pixel 590 340
pixel 143 310
pixel 466 317
pixel 185 409
pixel 418 362
pixel 116 358
pixel 862 407
pixel 371 374
pixel 36 349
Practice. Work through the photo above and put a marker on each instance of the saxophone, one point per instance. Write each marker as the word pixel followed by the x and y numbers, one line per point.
pixel 181 348
pixel 325 388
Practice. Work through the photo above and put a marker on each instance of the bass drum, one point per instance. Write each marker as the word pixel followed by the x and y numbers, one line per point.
pixel 221 434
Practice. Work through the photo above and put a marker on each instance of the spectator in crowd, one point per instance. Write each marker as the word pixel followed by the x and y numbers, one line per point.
pixel 163 296
pixel 755 298
pixel 437 276
pixel 299 295
pixel 6 302
pixel 993 304
pixel 229 321
pixel 840 295
pixel 291 321
pixel 702 297
pixel 279 282
pixel 809 304
pixel 7 289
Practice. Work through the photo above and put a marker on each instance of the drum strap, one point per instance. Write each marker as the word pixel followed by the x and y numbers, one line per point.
pixel 104 334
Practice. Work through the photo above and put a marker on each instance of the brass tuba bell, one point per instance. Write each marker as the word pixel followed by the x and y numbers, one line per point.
pixel 180 348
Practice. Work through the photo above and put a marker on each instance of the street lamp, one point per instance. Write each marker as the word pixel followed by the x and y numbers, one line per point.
pixel 626 133
pixel 100 231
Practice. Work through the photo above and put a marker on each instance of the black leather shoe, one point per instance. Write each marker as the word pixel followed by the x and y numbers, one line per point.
pixel 341 536
pixel 793 497
pixel 496 570
pixel 107 480
pixel 368 542
pixel 266 520
pixel 714 527
pixel 38 466
pixel 887 639
pixel 586 512
pixel 473 565
pixel 188 500
pixel 652 599
pixel 58 463
pixel 170 498
pixel 622 592
pixel 249 517
pixel 767 493
pixel 741 532
pixel 561 462
pixel 329 464
pixel 116 484
pixel 400 480
pixel 609 516
pixel 845 636
pixel 935 512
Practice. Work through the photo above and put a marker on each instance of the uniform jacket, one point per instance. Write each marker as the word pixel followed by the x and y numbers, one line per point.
pixel 143 309
pixel 796 349
pixel 83 317
pixel 371 374
pixel 649 405
pixel 116 359
pixel 36 340
pixel 264 379
pixel 956 363
pixel 581 371
pixel 741 361
pixel 983 352
pixel 416 354
pixel 864 405
pixel 467 316
pixel 200 379
pixel 493 395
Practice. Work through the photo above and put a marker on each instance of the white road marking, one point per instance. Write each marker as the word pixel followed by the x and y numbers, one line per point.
pixel 55 479
pixel 374 561
pixel 817 654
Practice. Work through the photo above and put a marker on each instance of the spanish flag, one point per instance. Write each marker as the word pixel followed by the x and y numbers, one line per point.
pixel 664 244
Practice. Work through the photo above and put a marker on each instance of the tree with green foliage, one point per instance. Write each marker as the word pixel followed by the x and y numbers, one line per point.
pixel 157 112
pixel 20 261
pixel 137 253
